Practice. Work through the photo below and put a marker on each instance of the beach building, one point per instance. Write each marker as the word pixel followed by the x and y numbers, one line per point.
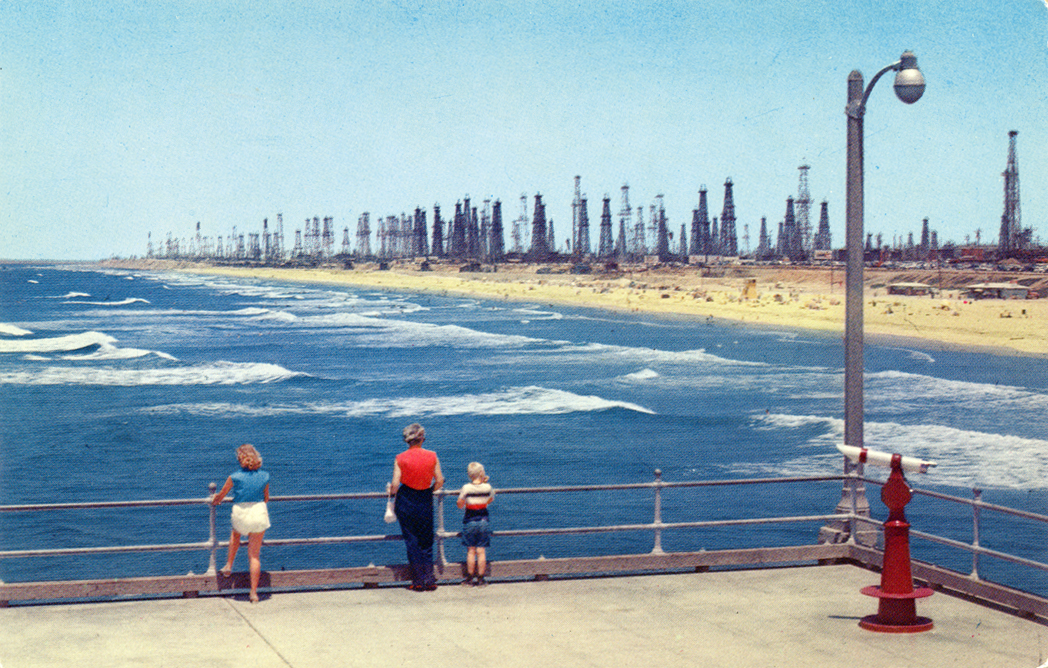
pixel 997 291
pixel 918 289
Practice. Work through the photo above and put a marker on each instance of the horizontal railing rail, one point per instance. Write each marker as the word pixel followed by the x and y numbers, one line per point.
pixel 657 558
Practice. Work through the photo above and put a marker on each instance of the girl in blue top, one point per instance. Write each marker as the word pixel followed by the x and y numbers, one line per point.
pixel 250 486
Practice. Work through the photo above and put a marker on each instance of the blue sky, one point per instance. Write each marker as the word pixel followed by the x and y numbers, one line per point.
pixel 118 119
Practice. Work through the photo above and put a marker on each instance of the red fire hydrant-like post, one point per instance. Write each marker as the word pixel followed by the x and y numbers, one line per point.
pixel 897 609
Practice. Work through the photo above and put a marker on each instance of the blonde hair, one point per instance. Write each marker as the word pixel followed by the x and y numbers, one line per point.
pixel 475 470
pixel 248 457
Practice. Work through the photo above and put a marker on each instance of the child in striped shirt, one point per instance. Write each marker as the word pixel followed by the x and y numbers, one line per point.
pixel 475 497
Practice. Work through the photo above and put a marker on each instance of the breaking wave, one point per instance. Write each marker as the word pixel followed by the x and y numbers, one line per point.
pixel 56 344
pixel 965 458
pixel 216 373
pixel 7 329
pixel 530 400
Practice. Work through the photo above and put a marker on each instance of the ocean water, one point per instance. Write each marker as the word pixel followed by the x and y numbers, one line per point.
pixel 128 385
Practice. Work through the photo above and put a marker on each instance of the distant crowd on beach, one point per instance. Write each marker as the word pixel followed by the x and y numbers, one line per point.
pixel 416 476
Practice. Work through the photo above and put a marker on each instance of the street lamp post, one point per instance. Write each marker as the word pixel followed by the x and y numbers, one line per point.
pixel 909 86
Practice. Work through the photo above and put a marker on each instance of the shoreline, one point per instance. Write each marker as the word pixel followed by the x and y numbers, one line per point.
pixel 804 298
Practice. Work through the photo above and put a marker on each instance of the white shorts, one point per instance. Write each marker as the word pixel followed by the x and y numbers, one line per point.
pixel 251 517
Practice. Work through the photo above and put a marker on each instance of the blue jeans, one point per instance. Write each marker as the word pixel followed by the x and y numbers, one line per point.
pixel 414 510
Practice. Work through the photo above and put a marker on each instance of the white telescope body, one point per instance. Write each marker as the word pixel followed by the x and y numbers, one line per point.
pixel 878 458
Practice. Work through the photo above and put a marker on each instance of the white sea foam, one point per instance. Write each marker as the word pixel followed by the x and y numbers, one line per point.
pixel 387 333
pixel 638 376
pixel 36 358
pixel 56 344
pixel 536 314
pixel 216 373
pixel 123 302
pixel 108 351
pixel 900 387
pixel 7 329
pixel 73 295
pixel 965 458
pixel 35 282
pixel 278 316
pixel 530 400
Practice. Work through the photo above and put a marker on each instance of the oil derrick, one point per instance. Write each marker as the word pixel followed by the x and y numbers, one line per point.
pixel 363 236
pixel 640 248
pixel 764 242
pixel 520 224
pixel 791 240
pixel 438 232
pixel 926 241
pixel 458 233
pixel 280 249
pixel 345 242
pixel 266 251
pixel 662 242
pixel 421 245
pixel 606 247
pixel 484 242
pixel 198 246
pixel 625 216
pixel 1011 236
pixel 539 251
pixel 576 219
pixel 804 211
pixel 700 236
pixel 219 250
pixel 149 244
pixel 581 245
pixel 823 240
pixel 297 250
pixel 551 238
pixel 695 248
pixel 683 246
pixel 254 249
pixel 405 237
pixel 382 235
pixel 729 241
pixel 652 235
pixel 328 243
pixel 497 245
pixel 472 234
pixel 780 240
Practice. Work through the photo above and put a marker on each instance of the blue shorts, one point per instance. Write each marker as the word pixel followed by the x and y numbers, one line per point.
pixel 476 533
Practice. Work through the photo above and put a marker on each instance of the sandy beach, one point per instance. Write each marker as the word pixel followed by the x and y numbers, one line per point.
pixel 800 297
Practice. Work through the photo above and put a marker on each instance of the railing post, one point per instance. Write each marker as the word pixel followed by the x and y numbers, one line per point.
pixel 440 532
pixel 977 493
pixel 657 548
pixel 213 540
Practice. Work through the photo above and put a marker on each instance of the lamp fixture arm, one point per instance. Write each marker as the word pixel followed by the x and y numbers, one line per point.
pixel 857 108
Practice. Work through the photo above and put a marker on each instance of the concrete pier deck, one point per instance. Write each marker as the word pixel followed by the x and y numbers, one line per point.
pixel 782 617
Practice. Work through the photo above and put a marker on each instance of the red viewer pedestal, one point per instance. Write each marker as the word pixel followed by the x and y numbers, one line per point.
pixel 897 609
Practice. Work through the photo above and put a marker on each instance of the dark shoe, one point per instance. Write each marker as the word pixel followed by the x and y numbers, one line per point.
pixel 468 582
pixel 481 582
pixel 430 587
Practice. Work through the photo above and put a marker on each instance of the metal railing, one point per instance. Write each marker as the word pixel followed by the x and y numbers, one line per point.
pixel 656 526
pixel 656 558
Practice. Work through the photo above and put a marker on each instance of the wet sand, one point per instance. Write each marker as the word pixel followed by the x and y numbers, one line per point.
pixel 806 298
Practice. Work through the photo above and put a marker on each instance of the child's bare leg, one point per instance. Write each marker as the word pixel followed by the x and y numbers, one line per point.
pixel 234 545
pixel 471 561
pixel 482 561
pixel 254 551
